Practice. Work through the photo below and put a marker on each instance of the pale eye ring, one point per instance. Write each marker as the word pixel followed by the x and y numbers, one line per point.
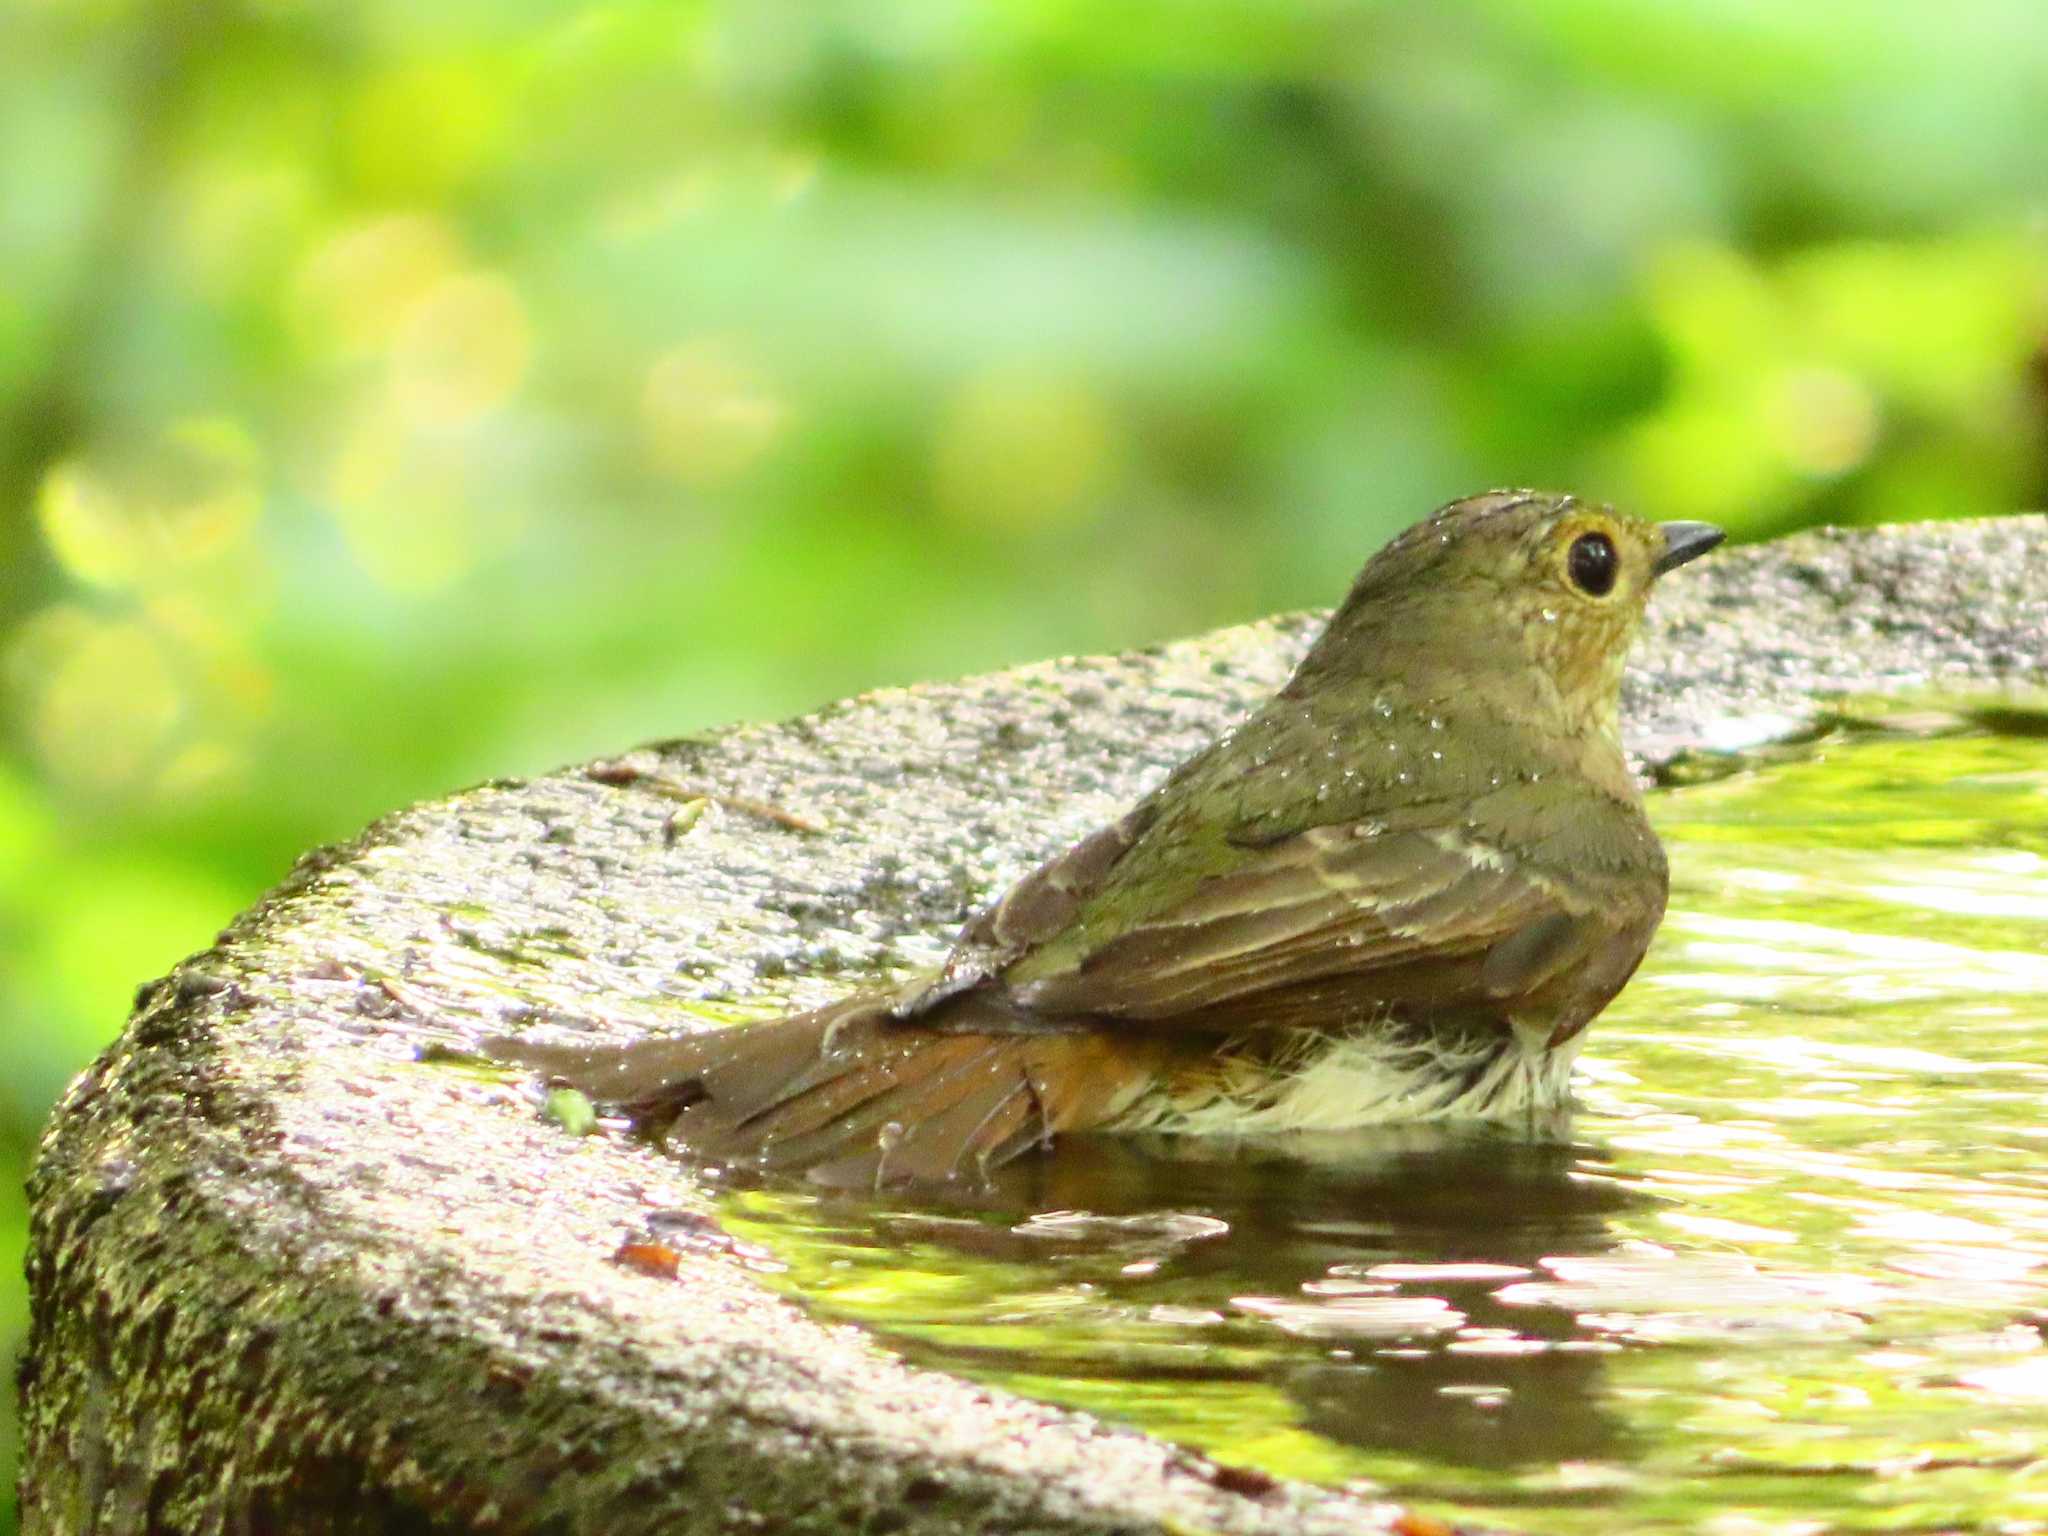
pixel 1592 564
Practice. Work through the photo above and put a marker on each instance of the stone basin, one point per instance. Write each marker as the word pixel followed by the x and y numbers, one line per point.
pixel 287 1275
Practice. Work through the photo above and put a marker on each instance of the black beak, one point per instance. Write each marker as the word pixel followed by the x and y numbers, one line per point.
pixel 1686 541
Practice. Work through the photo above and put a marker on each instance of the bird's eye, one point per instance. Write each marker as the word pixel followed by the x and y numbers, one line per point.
pixel 1592 564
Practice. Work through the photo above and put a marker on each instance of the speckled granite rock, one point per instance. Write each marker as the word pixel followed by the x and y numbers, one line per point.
pixel 287 1277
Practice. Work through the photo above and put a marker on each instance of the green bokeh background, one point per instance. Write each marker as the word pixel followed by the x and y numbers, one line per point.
pixel 396 395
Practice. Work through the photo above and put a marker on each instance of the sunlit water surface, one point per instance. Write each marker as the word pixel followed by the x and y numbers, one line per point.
pixel 1786 1269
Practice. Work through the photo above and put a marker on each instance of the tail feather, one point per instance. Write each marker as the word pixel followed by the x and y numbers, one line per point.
pixel 887 1101
pixel 922 1129
pixel 856 1097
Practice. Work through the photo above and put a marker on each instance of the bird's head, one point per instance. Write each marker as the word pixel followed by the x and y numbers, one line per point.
pixel 1529 596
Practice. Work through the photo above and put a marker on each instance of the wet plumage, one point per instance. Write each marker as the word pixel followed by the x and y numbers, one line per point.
pixel 1400 889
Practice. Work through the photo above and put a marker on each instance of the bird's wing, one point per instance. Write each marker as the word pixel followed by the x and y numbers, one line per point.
pixel 1421 906
pixel 1037 908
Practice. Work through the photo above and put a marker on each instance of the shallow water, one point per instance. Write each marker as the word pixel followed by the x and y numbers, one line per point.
pixel 1785 1270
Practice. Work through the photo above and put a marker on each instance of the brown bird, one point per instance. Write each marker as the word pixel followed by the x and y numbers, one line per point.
pixel 1397 891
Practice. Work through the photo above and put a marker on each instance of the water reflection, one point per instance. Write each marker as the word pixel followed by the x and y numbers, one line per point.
pixel 1788 1263
pixel 1388 1253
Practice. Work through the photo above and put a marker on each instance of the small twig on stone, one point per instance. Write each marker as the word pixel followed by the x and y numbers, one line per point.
pixel 623 773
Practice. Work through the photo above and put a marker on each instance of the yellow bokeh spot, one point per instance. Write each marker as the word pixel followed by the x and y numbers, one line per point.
pixel 1018 452
pixel 215 644
pixel 92 534
pixel 356 289
pixel 100 697
pixel 706 414
pixel 210 495
pixel 368 460
pixel 1800 371
pixel 1946 326
pixel 461 351
pixel 1825 420
pixel 199 771
pixel 141 520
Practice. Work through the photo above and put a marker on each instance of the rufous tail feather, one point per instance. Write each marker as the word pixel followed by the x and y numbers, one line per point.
pixel 856 1098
